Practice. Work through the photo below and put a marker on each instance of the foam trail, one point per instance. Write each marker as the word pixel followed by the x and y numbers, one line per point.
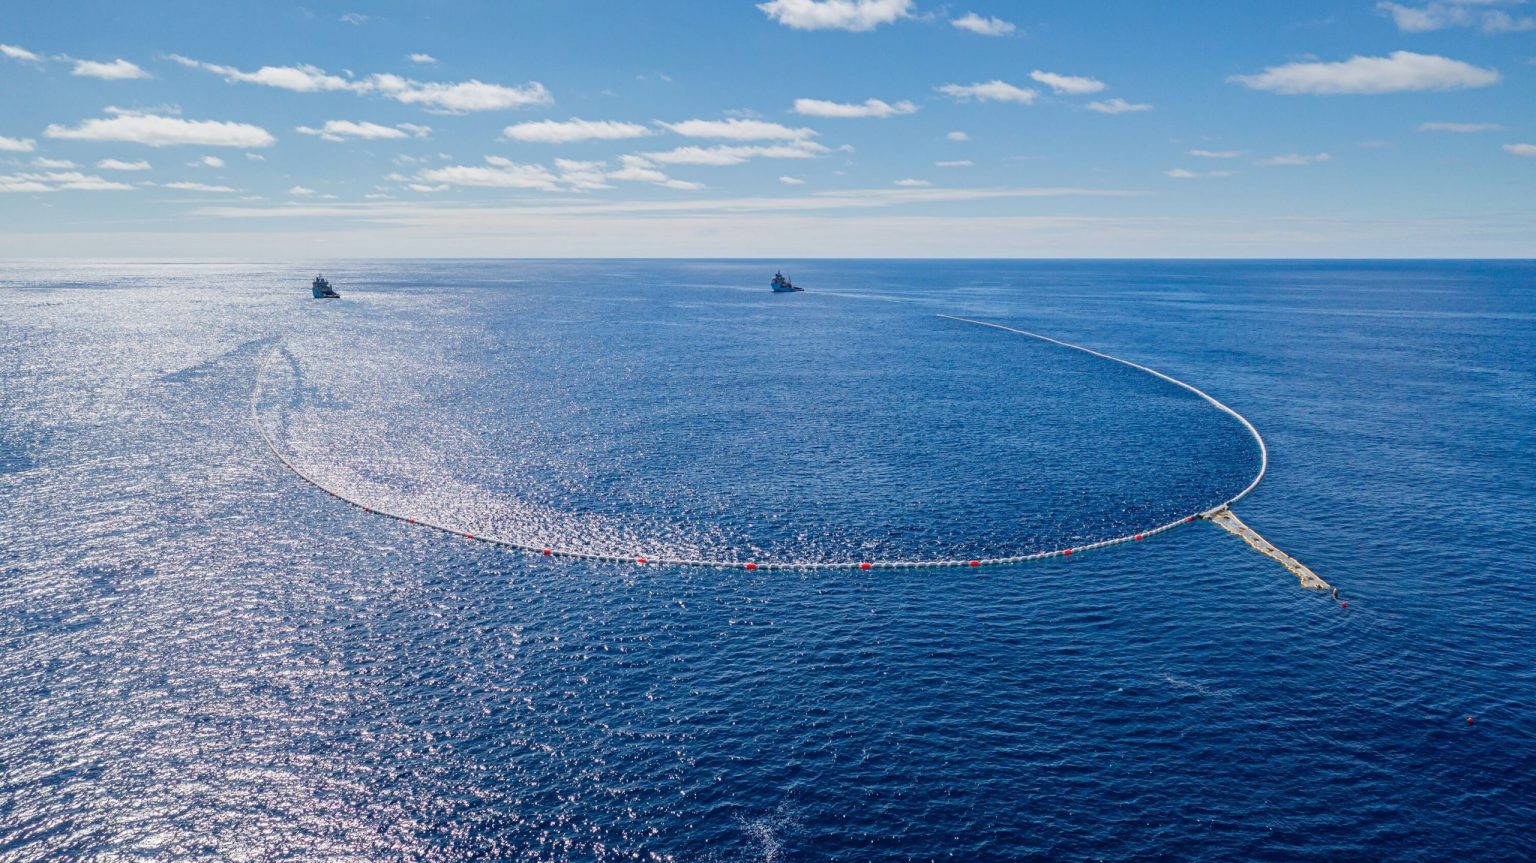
pixel 641 558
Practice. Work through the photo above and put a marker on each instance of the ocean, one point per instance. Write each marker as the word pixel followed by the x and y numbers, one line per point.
pixel 207 658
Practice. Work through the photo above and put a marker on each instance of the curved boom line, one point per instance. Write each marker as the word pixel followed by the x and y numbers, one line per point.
pixel 552 551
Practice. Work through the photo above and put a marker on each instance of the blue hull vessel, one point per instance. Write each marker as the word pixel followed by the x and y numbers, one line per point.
pixel 782 285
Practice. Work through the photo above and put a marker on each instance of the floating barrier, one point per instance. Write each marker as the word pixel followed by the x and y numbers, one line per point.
pixel 540 548
pixel 1228 521
pixel 1221 515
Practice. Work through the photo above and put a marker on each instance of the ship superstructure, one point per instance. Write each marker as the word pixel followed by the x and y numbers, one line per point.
pixel 782 285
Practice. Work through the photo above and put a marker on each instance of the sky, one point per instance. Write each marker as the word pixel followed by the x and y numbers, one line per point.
pixel 767 128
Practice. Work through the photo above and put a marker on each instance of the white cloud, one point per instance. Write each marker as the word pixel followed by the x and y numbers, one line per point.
pixel 211 162
pixel 341 130
pixel 791 181
pixel 638 172
pixel 736 129
pixel 638 169
pixel 573 130
pixel 854 15
pixel 958 136
pixel 725 154
pixel 839 200
pixel 451 98
pixel 155 130
pixel 710 156
pixel 912 184
pixel 1401 72
pixel 1503 22
pixel 1071 85
pixel 14 183
pixel 300 79
pixel 196 187
pixel 356 19
pixel 984 26
pixel 301 191
pixel 1411 20
pixel 16 52
pixel 117 70
pixel 75 181
pixel 870 108
pixel 1293 159
pixel 498 173
pixel 1216 154
pixel 463 97
pixel 1442 14
pixel 583 176
pixel 989 91
pixel 54 164
pixel 580 176
pixel 1186 174
pixel 1117 105
pixel 256 157
pixel 1520 149
pixel 120 165
pixel 1461 128
pixel 421 58
pixel 954 163
pixel 54 181
pixel 17 145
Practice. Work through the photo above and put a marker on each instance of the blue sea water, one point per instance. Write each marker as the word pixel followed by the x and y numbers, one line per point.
pixel 206 658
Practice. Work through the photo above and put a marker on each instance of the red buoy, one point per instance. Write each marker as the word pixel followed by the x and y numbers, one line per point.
pixel 751 566
pixel 1188 520
pixel 1138 537
pixel 547 552
pixel 469 536
pixel 863 566
pixel 410 521
pixel 1469 720
pixel 975 563
pixel 1344 605
pixel 1068 551
pixel 640 560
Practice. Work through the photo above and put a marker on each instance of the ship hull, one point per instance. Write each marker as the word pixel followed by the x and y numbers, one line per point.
pixel 782 285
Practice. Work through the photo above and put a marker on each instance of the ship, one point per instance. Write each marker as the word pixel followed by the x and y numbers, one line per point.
pixel 782 285
pixel 323 290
